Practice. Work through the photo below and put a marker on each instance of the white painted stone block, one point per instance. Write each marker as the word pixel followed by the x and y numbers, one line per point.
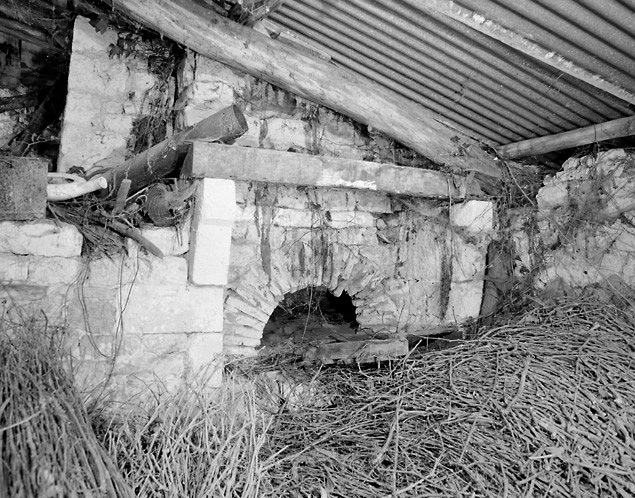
pixel 209 256
pixel 40 238
pixel 475 216
pixel 215 200
pixel 210 239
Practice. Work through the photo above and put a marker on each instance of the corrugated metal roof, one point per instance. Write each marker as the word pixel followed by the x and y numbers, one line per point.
pixel 474 81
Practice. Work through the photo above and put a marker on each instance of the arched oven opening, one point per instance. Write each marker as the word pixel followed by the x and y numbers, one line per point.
pixel 312 315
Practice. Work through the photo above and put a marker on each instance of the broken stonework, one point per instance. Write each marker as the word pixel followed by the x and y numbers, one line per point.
pixel 411 269
pixel 105 96
pixel 586 216
pixel 276 119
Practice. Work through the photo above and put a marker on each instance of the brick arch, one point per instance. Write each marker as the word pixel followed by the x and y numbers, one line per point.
pixel 254 294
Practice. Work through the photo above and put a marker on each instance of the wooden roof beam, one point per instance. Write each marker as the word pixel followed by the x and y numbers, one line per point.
pixel 315 79
pixel 617 128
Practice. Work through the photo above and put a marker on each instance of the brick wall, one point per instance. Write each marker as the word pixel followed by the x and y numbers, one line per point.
pixel 410 269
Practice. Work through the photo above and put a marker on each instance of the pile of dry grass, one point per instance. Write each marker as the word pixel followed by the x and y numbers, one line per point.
pixel 542 406
pixel 195 443
pixel 47 446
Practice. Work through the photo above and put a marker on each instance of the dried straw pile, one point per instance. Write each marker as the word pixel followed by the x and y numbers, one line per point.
pixel 47 446
pixel 543 406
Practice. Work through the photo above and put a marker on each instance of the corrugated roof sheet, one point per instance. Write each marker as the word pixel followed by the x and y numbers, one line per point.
pixel 491 90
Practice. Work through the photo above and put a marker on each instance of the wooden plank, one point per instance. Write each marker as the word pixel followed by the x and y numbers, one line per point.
pixel 212 160
pixel 315 79
pixel 617 128
pixel 358 351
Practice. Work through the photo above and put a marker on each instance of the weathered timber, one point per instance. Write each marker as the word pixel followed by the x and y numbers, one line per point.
pixel 315 79
pixel 358 351
pixel 161 159
pixel 617 128
pixel 210 160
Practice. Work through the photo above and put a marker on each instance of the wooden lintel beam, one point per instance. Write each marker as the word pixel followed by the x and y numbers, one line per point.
pixel 511 38
pixel 617 128
pixel 314 79
pixel 212 160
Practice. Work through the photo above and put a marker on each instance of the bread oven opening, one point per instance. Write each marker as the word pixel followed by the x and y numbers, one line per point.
pixel 311 315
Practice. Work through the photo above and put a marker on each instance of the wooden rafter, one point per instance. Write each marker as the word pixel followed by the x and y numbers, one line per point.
pixel 314 79
pixel 617 128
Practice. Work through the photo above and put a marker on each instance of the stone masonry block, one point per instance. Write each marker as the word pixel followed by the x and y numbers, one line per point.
pixel 209 256
pixel 465 301
pixel 245 193
pixel 173 241
pixel 40 238
pixel 162 345
pixel 162 310
pixel 235 340
pixel 87 40
pixel 170 271
pixel 245 213
pixel 86 347
pixel 285 134
pixel 239 351
pixel 210 239
pixel 293 197
pixel 298 218
pixel 475 216
pixel 54 270
pixel 203 350
pixel 468 261
pixel 344 219
pixel 13 268
pixel 22 187
pixel 93 310
pixel 245 232
pixel 349 200
pixel 215 200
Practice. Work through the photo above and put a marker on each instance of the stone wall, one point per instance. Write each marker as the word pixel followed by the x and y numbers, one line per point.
pixel 586 218
pixel 412 267
pixel 133 322
pixel 136 322
pixel 107 95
